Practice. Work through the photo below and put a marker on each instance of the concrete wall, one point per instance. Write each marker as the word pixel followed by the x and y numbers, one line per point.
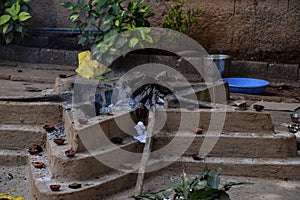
pixel 268 29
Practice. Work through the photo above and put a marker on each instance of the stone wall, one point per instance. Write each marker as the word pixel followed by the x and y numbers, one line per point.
pixel 250 29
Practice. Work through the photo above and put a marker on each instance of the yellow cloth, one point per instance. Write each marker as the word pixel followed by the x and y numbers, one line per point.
pixel 89 68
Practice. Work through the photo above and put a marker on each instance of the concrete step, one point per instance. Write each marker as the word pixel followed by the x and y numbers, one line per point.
pixel 121 124
pixel 33 73
pixel 248 145
pixel 98 130
pixel 94 188
pixel 30 113
pixel 13 157
pixel 17 136
pixel 117 181
pixel 63 167
pixel 282 168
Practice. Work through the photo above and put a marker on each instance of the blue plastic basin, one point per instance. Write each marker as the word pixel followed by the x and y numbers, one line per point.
pixel 246 85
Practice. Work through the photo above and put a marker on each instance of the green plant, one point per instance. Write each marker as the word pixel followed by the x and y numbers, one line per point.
pixel 13 15
pixel 179 19
pixel 205 186
pixel 98 20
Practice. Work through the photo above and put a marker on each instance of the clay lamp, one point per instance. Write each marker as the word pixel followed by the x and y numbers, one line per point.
pixel 127 165
pixel 59 141
pixel 35 149
pixel 55 187
pixel 70 153
pixel 38 165
pixel 83 120
pixel 258 107
pixel 198 131
pixel 116 140
pixel 75 186
pixel 49 127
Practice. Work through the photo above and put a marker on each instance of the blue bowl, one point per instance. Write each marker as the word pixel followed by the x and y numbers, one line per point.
pixel 246 85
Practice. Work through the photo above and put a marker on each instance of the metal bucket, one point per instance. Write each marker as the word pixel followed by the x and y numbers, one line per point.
pixel 223 63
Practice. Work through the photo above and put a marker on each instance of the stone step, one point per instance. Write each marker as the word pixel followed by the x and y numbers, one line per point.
pixel 13 157
pixel 121 124
pixel 113 182
pixel 64 167
pixel 248 145
pixel 288 168
pixel 94 188
pixel 17 136
pixel 98 130
pixel 32 73
pixel 30 113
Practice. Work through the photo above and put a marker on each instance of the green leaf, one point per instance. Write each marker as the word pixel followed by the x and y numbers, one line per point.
pixel 4 19
pixel 208 194
pixel 102 48
pixel 68 5
pixel 133 42
pixel 213 179
pixel 106 28
pixel 143 34
pixel 23 16
pixel 85 9
pixel 149 39
pixel 90 19
pixel 118 22
pixel 82 40
pixel 109 19
pixel 137 4
pixel 74 17
pixel 124 13
pixel 14 9
pixel 112 51
pixel 116 10
pixel 100 3
pixel 18 28
pixel 230 184
pixel 80 2
pixel 185 185
pixel 7 28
